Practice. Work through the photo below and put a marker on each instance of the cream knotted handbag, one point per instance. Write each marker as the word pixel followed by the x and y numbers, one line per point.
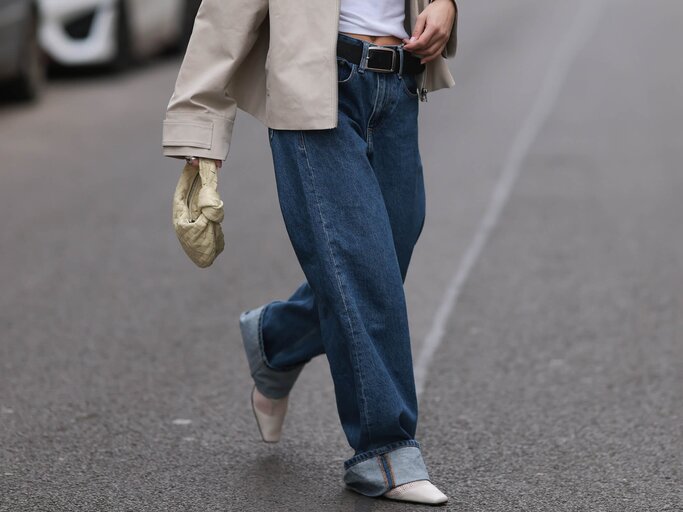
pixel 198 212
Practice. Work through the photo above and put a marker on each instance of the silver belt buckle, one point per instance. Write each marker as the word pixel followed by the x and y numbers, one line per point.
pixel 381 49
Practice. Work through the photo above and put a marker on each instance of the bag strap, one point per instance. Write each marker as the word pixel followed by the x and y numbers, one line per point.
pixel 208 200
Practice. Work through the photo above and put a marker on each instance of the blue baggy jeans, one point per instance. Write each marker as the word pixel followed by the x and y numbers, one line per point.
pixel 353 203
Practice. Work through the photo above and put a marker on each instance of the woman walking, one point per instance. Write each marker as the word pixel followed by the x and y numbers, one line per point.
pixel 339 86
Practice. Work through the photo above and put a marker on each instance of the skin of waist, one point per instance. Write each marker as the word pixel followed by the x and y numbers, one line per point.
pixel 379 40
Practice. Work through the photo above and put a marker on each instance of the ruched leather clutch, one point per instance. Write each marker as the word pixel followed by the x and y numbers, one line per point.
pixel 198 213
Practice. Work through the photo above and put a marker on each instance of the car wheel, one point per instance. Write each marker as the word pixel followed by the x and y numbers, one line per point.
pixel 190 9
pixel 30 81
pixel 124 44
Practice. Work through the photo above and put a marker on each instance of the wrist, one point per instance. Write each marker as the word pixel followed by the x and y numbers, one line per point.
pixel 452 2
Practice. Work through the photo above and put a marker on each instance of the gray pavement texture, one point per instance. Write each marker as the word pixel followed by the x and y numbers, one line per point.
pixel 559 382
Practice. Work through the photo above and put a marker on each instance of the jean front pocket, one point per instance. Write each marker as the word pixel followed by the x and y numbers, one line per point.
pixel 345 70
pixel 409 84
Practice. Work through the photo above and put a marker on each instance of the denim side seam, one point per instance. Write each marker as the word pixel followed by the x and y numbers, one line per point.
pixel 270 382
pixel 382 470
pixel 376 476
pixel 364 415
pixel 361 457
pixel 388 471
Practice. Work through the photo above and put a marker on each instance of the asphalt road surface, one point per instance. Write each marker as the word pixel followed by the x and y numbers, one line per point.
pixel 545 295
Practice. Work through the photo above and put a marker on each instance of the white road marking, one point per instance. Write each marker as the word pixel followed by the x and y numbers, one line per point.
pixel 181 421
pixel 577 36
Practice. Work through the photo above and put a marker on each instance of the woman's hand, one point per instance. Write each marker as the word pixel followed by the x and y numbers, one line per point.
pixel 432 29
pixel 195 163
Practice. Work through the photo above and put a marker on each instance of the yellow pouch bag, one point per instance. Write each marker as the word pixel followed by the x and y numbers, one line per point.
pixel 198 212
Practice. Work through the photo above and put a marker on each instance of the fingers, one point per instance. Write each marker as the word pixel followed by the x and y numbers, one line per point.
pixel 432 52
pixel 429 46
pixel 195 163
pixel 423 41
pixel 431 31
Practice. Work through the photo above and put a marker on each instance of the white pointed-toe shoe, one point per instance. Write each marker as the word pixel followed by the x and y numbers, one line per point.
pixel 270 415
pixel 419 491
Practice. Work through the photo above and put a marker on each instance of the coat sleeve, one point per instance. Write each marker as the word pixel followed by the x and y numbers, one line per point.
pixel 200 114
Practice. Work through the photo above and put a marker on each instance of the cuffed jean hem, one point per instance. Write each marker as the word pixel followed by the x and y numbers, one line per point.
pixel 271 382
pixel 375 472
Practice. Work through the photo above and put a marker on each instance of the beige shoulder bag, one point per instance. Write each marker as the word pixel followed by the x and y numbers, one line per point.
pixel 198 212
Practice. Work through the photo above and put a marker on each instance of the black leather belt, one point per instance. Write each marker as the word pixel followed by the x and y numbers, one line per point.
pixel 384 59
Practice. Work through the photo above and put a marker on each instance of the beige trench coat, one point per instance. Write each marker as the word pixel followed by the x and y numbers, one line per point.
pixel 274 59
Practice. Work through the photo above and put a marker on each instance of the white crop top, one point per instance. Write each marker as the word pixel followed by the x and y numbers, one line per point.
pixel 373 17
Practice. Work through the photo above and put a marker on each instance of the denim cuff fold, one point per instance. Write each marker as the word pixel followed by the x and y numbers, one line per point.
pixel 271 382
pixel 376 472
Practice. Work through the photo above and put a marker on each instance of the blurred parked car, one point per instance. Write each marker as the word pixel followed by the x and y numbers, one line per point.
pixel 22 63
pixel 113 32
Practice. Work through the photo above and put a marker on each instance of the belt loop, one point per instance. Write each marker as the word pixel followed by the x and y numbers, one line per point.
pixel 363 57
pixel 400 61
